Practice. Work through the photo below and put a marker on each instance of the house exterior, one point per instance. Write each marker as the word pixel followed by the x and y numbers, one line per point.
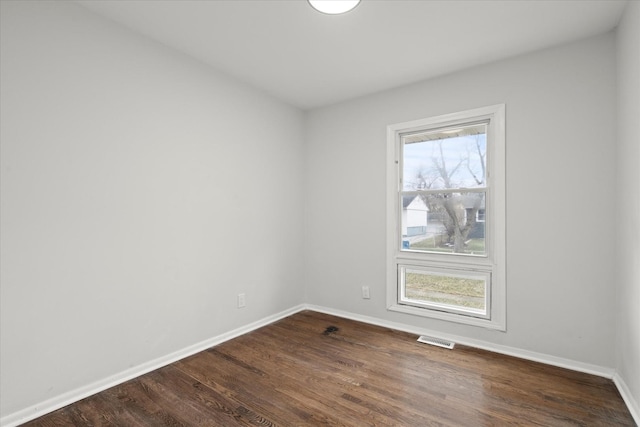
pixel 470 208
pixel 414 216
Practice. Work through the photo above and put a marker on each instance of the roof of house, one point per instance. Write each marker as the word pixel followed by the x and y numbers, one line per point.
pixel 407 200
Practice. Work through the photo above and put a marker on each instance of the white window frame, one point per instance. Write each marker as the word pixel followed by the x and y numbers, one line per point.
pixel 483 215
pixel 493 264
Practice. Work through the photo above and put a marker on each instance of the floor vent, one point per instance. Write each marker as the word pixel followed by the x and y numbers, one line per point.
pixel 436 341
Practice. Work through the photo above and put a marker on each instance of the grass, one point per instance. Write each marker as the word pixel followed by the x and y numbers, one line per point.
pixel 456 291
pixel 436 244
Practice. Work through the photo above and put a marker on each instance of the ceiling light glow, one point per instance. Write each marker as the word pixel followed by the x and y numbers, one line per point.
pixel 333 7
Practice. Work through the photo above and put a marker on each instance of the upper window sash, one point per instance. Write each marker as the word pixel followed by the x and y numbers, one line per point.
pixel 442 185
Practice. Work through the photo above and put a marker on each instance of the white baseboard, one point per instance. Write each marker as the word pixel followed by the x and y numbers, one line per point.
pixel 65 399
pixel 633 406
pixel 62 400
pixel 574 365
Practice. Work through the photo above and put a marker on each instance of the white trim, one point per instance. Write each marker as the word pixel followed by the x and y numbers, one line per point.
pixel 445 315
pixel 72 396
pixel 632 405
pixel 68 398
pixel 548 359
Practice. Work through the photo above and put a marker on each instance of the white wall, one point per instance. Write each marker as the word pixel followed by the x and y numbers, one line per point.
pixel 560 106
pixel 131 174
pixel 141 192
pixel 628 202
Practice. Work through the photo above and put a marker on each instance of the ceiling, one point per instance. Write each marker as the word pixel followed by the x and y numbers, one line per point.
pixel 309 59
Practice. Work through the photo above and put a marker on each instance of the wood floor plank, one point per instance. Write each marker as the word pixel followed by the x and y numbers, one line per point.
pixel 219 375
pixel 315 369
pixel 203 407
pixel 353 381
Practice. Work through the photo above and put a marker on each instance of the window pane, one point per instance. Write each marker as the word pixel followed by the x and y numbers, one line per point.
pixel 446 158
pixel 444 222
pixel 466 292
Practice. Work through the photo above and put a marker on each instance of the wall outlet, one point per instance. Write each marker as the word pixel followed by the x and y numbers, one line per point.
pixel 365 292
pixel 241 301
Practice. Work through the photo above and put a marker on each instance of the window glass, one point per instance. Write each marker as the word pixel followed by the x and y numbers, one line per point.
pixel 444 222
pixel 436 165
pixel 449 158
pixel 464 292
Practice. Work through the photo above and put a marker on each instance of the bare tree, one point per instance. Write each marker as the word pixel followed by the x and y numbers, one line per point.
pixel 459 209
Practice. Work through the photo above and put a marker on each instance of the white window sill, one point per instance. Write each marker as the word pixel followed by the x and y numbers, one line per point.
pixel 457 318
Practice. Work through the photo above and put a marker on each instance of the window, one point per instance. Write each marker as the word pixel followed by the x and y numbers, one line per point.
pixel 446 217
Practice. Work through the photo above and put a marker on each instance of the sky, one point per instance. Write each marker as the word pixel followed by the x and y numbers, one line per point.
pixel 455 151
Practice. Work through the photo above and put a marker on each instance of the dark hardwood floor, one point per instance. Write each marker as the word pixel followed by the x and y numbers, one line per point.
pixel 296 373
